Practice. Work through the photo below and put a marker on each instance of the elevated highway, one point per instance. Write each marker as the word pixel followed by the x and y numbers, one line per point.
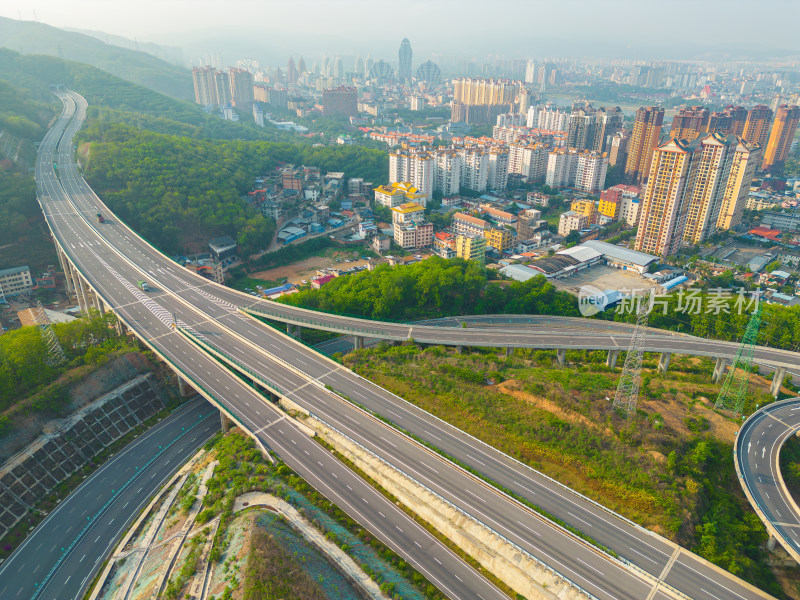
pixel 757 453
pixel 109 257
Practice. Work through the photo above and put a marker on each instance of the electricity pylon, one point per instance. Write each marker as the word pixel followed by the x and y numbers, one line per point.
pixel 734 389
pixel 55 353
pixel 631 379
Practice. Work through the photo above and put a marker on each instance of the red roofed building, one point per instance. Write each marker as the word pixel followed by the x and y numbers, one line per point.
pixel 320 281
pixel 766 233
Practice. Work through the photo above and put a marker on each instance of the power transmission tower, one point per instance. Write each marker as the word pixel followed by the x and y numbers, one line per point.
pixel 631 379
pixel 55 353
pixel 734 389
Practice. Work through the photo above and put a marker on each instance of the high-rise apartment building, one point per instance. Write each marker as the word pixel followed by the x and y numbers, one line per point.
pixel 241 82
pixel 478 91
pixel 447 171
pixel 404 55
pixel 561 166
pixel 497 176
pixel 548 117
pixel 690 123
pixel 729 121
pixel 780 138
pixel 474 169
pixel 471 246
pixel 222 84
pixel 590 171
pixel 695 189
pixel 662 212
pixel 757 126
pixel 528 160
pixel 608 122
pixel 618 148
pixel 414 166
pixel 341 102
pixel 530 71
pixel 580 131
pixel 744 162
pixel 205 89
pixel 705 188
pixel 291 72
pixel 646 133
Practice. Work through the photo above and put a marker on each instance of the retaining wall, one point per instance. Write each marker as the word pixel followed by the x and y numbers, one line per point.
pixel 32 473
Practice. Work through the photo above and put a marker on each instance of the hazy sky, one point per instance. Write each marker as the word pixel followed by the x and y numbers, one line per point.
pixel 508 27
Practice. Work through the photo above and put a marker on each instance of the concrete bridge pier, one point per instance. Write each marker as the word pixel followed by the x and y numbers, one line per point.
pixel 293 331
pixel 183 387
pixel 771 542
pixel 459 349
pixel 358 342
pixel 719 369
pixel 224 422
pixel 611 358
pixel 509 351
pixel 65 269
pixel 562 356
pixel 777 381
pixel 76 286
pixel 663 362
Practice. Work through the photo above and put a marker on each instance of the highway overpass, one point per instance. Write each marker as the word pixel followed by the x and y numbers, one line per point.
pixel 105 261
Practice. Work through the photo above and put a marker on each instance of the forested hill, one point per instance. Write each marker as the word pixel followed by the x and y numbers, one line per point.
pixel 28 37
pixel 117 100
pixel 23 236
pixel 178 192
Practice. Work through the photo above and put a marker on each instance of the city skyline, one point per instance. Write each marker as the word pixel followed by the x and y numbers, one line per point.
pixel 355 26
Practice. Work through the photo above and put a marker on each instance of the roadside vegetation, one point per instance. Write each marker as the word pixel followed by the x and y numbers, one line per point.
pixel 669 469
pixel 28 385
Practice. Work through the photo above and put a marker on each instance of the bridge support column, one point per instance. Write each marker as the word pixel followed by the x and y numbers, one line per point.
pixel 509 351
pixel 663 362
pixel 65 268
pixel 184 388
pixel 562 356
pixel 293 330
pixel 771 542
pixel 358 342
pixel 719 369
pixel 611 358
pixel 76 281
pixel 459 349
pixel 777 381
pixel 224 422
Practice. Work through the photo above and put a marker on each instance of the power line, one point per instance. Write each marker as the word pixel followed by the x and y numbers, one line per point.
pixel 630 381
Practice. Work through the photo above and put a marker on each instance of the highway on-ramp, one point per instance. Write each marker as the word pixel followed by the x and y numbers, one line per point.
pixel 65 551
pixel 758 447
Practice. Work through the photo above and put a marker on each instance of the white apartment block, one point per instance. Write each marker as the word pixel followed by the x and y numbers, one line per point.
pixel 415 166
pixel 15 281
pixel 528 160
pixel 629 209
pixel 468 225
pixel 510 120
pixel 474 169
pixel 561 167
pixel 447 172
pixel 570 221
pixel 547 117
pixel 497 177
pixel 590 171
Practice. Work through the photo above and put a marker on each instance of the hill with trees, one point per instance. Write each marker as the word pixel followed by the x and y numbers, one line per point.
pixel 29 37
pixel 178 191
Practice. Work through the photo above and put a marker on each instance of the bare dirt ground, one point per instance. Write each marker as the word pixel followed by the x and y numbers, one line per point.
pixel 307 269
pixel 604 278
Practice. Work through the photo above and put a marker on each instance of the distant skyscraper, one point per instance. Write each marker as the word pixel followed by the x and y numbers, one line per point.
pixel 404 72
pixel 746 159
pixel 780 137
pixel 241 82
pixel 608 121
pixel 429 72
pixel 340 102
pixel 646 133
pixel 205 89
pixel 301 67
pixel 367 65
pixel 291 71
pixel 530 72
pixel 338 68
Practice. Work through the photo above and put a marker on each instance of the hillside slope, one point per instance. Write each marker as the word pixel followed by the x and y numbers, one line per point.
pixel 29 37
